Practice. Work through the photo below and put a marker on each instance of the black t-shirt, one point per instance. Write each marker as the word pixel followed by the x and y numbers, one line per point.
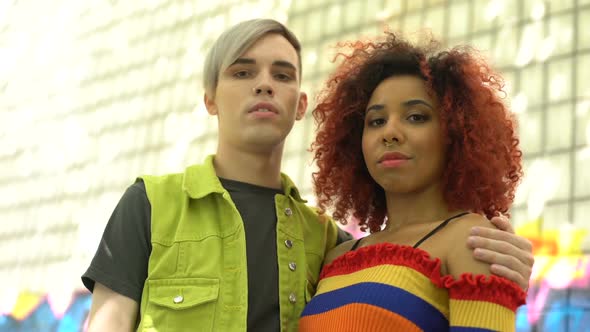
pixel 121 260
pixel 256 206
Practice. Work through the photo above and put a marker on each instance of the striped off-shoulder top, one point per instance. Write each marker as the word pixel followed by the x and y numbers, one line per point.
pixel 389 287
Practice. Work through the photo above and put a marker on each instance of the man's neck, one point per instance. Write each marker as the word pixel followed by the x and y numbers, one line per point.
pixel 258 168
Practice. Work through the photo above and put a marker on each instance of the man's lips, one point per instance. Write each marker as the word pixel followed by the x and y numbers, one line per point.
pixel 264 108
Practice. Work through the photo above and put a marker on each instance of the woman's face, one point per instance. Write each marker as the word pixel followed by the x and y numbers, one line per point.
pixel 402 139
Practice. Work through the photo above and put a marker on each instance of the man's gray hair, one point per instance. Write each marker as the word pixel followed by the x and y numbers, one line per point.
pixel 232 43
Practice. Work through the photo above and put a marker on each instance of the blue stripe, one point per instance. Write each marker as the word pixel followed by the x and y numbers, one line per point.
pixel 388 297
pixel 468 329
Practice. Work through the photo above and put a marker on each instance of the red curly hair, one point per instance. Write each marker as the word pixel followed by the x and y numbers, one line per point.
pixel 483 160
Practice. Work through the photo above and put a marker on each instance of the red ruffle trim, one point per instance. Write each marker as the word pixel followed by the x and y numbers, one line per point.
pixel 485 288
pixel 467 287
pixel 384 253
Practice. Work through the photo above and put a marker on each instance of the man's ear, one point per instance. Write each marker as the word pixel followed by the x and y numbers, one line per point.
pixel 301 106
pixel 210 105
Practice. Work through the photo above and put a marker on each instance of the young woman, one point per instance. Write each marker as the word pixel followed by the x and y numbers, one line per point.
pixel 416 144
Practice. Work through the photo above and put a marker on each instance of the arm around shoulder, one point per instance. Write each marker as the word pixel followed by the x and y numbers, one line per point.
pixel 477 299
pixel 111 311
pixel 459 258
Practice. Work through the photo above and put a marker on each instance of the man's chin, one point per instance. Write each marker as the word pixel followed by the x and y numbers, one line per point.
pixel 265 140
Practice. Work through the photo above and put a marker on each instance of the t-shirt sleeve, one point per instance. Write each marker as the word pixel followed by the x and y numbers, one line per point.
pixel 483 303
pixel 343 236
pixel 121 260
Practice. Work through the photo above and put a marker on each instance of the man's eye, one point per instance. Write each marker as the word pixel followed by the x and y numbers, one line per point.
pixel 283 77
pixel 241 74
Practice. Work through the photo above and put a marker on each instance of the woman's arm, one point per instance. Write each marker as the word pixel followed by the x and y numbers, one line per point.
pixel 477 298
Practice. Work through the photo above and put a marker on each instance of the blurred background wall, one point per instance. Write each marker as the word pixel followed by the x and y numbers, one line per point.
pixel 96 92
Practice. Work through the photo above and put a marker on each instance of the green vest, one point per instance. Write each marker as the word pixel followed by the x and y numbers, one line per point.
pixel 197 278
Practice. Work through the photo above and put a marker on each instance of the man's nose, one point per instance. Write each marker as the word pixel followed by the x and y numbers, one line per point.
pixel 264 86
pixel 263 90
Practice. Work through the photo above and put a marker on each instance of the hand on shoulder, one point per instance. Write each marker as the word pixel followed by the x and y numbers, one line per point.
pixel 459 258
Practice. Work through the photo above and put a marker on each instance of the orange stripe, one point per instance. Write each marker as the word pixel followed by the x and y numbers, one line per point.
pixel 356 316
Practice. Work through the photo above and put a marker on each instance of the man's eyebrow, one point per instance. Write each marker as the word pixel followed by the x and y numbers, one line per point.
pixel 279 63
pixel 244 61
pixel 286 64
pixel 413 102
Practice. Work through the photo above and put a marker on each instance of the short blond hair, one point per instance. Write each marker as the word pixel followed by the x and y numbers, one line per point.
pixel 232 43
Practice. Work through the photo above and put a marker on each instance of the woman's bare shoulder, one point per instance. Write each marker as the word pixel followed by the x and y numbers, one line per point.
pixel 338 251
pixel 460 258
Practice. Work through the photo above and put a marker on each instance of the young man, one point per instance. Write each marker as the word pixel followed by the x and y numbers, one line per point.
pixel 229 245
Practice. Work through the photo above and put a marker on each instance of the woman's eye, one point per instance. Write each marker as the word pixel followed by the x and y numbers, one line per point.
pixel 376 122
pixel 418 118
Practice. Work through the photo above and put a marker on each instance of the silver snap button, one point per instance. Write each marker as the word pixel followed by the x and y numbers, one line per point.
pixel 288 244
pixel 292 298
pixel 292 266
pixel 288 212
pixel 178 299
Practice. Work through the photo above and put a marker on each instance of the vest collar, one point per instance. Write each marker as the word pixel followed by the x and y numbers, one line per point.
pixel 201 180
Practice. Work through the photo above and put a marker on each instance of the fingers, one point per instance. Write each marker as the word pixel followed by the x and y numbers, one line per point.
pixel 507 260
pixel 510 262
pixel 509 274
pixel 502 236
pixel 502 223
pixel 510 255
pixel 504 245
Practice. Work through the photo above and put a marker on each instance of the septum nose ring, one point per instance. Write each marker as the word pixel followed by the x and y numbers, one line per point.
pixel 387 143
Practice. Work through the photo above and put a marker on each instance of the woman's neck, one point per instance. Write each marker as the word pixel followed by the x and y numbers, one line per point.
pixel 416 208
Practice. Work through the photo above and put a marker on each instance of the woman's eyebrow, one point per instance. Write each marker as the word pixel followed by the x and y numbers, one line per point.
pixel 413 102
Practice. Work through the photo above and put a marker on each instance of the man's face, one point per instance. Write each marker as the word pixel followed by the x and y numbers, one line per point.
pixel 257 98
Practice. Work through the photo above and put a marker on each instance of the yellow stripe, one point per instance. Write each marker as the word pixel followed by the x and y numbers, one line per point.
pixel 396 276
pixel 484 315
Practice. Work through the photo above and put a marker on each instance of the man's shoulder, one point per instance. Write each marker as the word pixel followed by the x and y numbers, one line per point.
pixel 318 222
pixel 338 251
pixel 313 213
pixel 160 178
pixel 197 169
pixel 173 178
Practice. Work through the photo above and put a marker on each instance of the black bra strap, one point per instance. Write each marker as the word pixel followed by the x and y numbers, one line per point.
pixel 438 228
pixel 356 244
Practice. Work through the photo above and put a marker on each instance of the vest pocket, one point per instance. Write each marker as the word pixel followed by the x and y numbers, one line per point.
pixel 186 304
